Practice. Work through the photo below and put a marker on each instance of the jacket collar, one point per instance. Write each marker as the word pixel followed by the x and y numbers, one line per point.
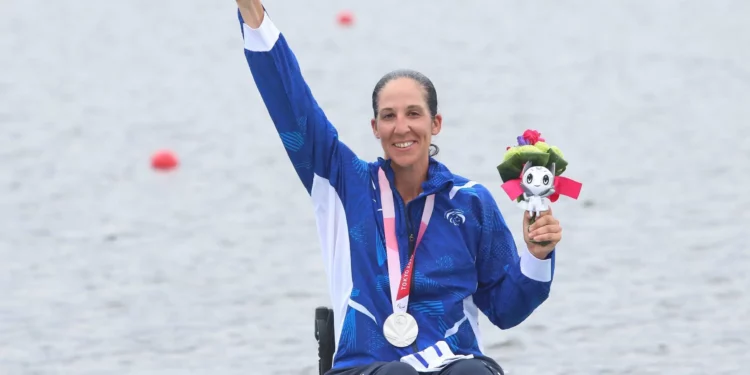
pixel 438 176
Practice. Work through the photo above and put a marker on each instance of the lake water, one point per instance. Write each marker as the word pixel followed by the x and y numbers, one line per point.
pixel 107 267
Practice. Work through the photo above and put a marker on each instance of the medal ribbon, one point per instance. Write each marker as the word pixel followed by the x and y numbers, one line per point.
pixel 400 283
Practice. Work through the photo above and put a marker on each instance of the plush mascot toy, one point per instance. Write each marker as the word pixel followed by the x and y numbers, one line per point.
pixel 532 174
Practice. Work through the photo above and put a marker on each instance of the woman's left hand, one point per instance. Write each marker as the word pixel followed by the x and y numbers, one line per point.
pixel 545 229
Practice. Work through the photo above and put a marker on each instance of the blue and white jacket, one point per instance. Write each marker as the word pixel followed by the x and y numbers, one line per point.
pixel 467 260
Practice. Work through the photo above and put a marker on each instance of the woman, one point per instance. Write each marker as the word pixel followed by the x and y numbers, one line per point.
pixel 412 251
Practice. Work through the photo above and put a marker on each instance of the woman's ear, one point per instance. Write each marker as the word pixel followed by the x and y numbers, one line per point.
pixel 374 125
pixel 437 124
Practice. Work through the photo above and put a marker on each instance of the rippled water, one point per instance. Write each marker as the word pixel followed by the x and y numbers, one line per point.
pixel 109 268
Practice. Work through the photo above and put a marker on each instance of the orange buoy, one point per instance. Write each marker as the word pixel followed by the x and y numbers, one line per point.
pixel 164 160
pixel 345 18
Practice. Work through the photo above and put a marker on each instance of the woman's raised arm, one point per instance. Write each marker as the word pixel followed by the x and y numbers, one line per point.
pixel 310 140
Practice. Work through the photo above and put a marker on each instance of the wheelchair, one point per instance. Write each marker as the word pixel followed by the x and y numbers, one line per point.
pixel 325 336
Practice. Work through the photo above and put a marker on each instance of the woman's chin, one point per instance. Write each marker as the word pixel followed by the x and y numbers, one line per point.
pixel 404 161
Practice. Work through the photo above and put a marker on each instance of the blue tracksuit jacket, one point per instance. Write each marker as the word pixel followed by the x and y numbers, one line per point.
pixel 466 262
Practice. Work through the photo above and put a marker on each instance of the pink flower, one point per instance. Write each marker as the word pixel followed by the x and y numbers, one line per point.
pixel 532 136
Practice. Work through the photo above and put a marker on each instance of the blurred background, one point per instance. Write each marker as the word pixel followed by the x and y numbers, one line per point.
pixel 110 267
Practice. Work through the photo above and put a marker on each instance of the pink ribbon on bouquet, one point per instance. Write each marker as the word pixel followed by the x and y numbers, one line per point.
pixel 563 185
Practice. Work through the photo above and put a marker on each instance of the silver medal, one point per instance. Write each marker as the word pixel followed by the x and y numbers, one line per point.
pixel 400 329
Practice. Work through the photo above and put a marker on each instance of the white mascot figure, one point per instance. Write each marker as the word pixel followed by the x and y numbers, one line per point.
pixel 538 183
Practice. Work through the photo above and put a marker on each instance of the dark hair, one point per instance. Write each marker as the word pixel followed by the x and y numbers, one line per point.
pixel 429 88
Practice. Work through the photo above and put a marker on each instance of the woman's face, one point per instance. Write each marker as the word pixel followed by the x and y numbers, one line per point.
pixel 404 124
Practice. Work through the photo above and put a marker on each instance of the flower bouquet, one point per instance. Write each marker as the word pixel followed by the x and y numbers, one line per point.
pixel 531 173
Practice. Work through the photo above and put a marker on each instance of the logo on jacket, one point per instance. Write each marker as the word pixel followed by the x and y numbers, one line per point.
pixel 455 216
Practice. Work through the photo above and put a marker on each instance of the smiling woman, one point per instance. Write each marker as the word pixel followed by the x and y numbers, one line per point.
pixel 404 104
pixel 393 314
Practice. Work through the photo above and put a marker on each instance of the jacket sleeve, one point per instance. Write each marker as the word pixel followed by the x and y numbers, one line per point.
pixel 510 286
pixel 310 140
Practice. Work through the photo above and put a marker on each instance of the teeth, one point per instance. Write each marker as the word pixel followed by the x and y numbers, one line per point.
pixel 403 145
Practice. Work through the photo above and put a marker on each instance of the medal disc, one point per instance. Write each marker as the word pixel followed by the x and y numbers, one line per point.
pixel 400 329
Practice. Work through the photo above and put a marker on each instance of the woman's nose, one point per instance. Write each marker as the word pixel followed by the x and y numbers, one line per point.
pixel 402 126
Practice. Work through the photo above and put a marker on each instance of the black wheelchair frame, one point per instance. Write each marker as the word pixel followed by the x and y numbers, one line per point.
pixel 325 336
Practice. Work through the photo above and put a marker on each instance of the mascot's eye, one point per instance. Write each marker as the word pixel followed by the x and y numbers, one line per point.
pixel 529 178
pixel 545 180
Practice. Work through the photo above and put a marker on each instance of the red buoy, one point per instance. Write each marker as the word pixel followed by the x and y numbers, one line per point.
pixel 164 160
pixel 345 18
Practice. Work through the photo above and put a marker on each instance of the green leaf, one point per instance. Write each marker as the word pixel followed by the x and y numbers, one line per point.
pixel 511 168
pixel 556 157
